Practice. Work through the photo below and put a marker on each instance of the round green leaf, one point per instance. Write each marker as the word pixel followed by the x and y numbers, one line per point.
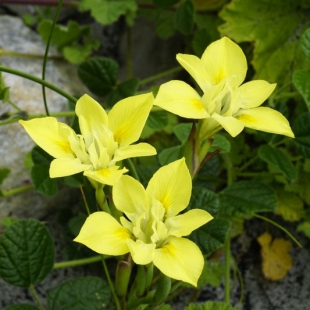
pixel 247 197
pixel 26 253
pixel 22 307
pixel 80 294
pixel 182 131
pixel 220 142
pixel 184 17
pixel 42 182
pixel 170 154
pixel 301 80
pixel 278 159
pixel 99 75
pixel 301 129
pixel 305 43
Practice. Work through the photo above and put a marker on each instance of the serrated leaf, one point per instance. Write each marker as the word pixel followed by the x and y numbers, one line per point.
pixel 305 44
pixel 305 228
pixel 99 75
pixel 106 12
pixel 184 17
pixel 170 154
pixel 164 3
pixel 4 173
pixel 276 259
pixel 212 273
pixel 205 199
pixel 301 129
pixel 26 253
pixel 301 80
pixel 277 53
pixel 80 294
pixel 289 206
pixel 246 198
pixel 278 159
pixel 21 307
pixel 220 142
pixel 122 90
pixel 210 305
pixel 77 54
pixel 182 131
pixel 42 182
pixel 211 236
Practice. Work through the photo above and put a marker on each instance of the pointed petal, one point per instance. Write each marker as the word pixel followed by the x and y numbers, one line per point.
pixel 184 224
pixel 172 186
pixel 128 117
pixel 195 67
pixel 181 99
pixel 50 135
pixel 142 253
pixel 224 58
pixel 129 195
pixel 108 176
pixel 136 150
pixel 91 115
pixel 254 93
pixel 229 123
pixel 265 119
pixel 104 234
pixel 63 167
pixel 180 259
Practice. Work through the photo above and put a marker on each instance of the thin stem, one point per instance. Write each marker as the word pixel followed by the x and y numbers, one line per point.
pixel 46 54
pixel 78 262
pixel 14 105
pixel 68 3
pixel 227 270
pixel 16 190
pixel 84 199
pixel 160 75
pixel 279 226
pixel 39 81
pixel 248 163
pixel 36 297
pixel 239 275
pixel 117 304
pixel 132 169
pixel 7 53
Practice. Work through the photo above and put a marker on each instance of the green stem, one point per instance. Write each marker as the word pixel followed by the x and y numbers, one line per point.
pixel 248 163
pixel 46 54
pixel 117 304
pixel 84 199
pixel 16 190
pixel 39 81
pixel 227 270
pixel 279 226
pixel 36 297
pixel 132 169
pixel 160 75
pixel 14 105
pixel 5 53
pixel 78 262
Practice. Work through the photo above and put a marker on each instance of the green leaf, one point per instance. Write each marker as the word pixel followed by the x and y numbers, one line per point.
pixel 210 305
pixel 99 75
pixel 165 24
pixel 42 182
pixel 8 221
pixel 157 120
pixel 305 44
pixel 247 197
pixel 106 12
pixel 75 224
pixel 40 157
pixel 182 131
pixel 122 90
pixel 22 307
pixel 77 54
pixel 80 294
pixel 278 159
pixel 184 17
pixel 220 142
pixel 212 273
pixel 305 228
pixel 164 3
pixel 301 80
pixel 277 53
pixel 164 307
pixel 211 236
pixel 4 173
pixel 205 199
pixel 170 154
pixel 26 253
pixel 301 129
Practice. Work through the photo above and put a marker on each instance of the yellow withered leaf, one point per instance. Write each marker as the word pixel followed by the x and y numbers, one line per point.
pixel 276 260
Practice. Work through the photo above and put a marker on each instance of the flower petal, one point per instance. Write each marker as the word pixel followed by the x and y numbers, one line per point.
pixel 104 234
pixel 265 119
pixel 136 150
pixel 180 259
pixel 50 135
pixel 172 186
pixel 108 176
pixel 229 123
pixel 184 224
pixel 254 93
pixel 142 253
pixel 91 115
pixel 195 67
pixel 129 195
pixel 128 117
pixel 63 167
pixel 224 58
pixel 181 99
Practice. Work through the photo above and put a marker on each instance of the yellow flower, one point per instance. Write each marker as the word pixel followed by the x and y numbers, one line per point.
pixel 151 229
pixel 223 103
pixel 105 138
